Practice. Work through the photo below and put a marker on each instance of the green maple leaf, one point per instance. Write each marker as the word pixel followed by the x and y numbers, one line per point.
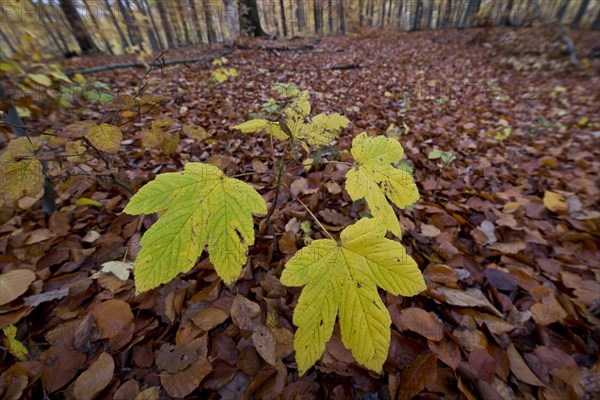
pixel 376 180
pixel 201 204
pixel 345 276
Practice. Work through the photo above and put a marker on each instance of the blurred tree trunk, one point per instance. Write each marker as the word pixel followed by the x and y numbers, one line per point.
pixel 596 23
pixel 283 20
pixel 41 10
pixel 399 15
pixel 122 38
pixel 84 40
pixel 389 14
pixel 371 12
pixel 472 8
pixel 447 15
pixel 506 14
pixel 210 29
pixel 360 12
pixel 181 13
pixel 330 15
pixel 300 14
pixel 156 31
pixel 98 28
pixel 318 15
pixel 250 19
pixel 341 16
pixel 196 21
pixel 430 14
pixel 580 14
pixel 382 14
pixel 133 32
pixel 418 15
pixel 231 18
pixel 560 14
pixel 164 18
pixel 154 43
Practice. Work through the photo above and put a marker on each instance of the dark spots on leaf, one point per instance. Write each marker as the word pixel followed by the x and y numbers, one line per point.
pixel 358 285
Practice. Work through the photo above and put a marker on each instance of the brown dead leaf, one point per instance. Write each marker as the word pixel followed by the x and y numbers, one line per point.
pixel 447 351
pixel 60 363
pixel 424 323
pixel 186 381
pixel 14 283
pixel 520 369
pixel 174 358
pixel 483 363
pixel 245 313
pixel 430 230
pixel 91 382
pixel 470 297
pixel 149 394
pixel 265 343
pixel 209 318
pixel 127 391
pixel 421 371
pixel 112 317
pixel 547 310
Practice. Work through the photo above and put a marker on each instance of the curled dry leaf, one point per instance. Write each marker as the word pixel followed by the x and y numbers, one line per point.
pixel 471 297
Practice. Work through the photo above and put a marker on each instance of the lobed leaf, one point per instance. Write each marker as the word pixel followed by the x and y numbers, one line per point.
pixel 376 180
pixel 258 125
pixel 201 204
pixel 344 278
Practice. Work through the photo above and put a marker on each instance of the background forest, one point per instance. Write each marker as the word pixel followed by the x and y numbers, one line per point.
pixel 131 26
pixel 299 199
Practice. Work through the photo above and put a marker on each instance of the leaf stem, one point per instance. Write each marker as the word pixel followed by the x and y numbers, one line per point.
pixel 310 212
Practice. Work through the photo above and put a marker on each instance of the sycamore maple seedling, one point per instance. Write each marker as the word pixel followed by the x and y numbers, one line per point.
pixel 339 278
pixel 201 204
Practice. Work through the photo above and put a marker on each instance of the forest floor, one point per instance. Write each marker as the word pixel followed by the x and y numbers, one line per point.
pixel 507 240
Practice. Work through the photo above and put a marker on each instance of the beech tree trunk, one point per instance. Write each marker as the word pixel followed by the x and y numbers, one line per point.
pixel 98 28
pixel 318 16
pixel 84 40
pixel 249 19
pixel 580 13
pixel 231 18
pixel 164 18
pixel 283 21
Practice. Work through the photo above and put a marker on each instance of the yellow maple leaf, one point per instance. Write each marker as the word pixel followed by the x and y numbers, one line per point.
pixel 344 277
pixel 14 347
pixel 319 130
pixel 376 180
pixel 201 204
pixel 258 125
